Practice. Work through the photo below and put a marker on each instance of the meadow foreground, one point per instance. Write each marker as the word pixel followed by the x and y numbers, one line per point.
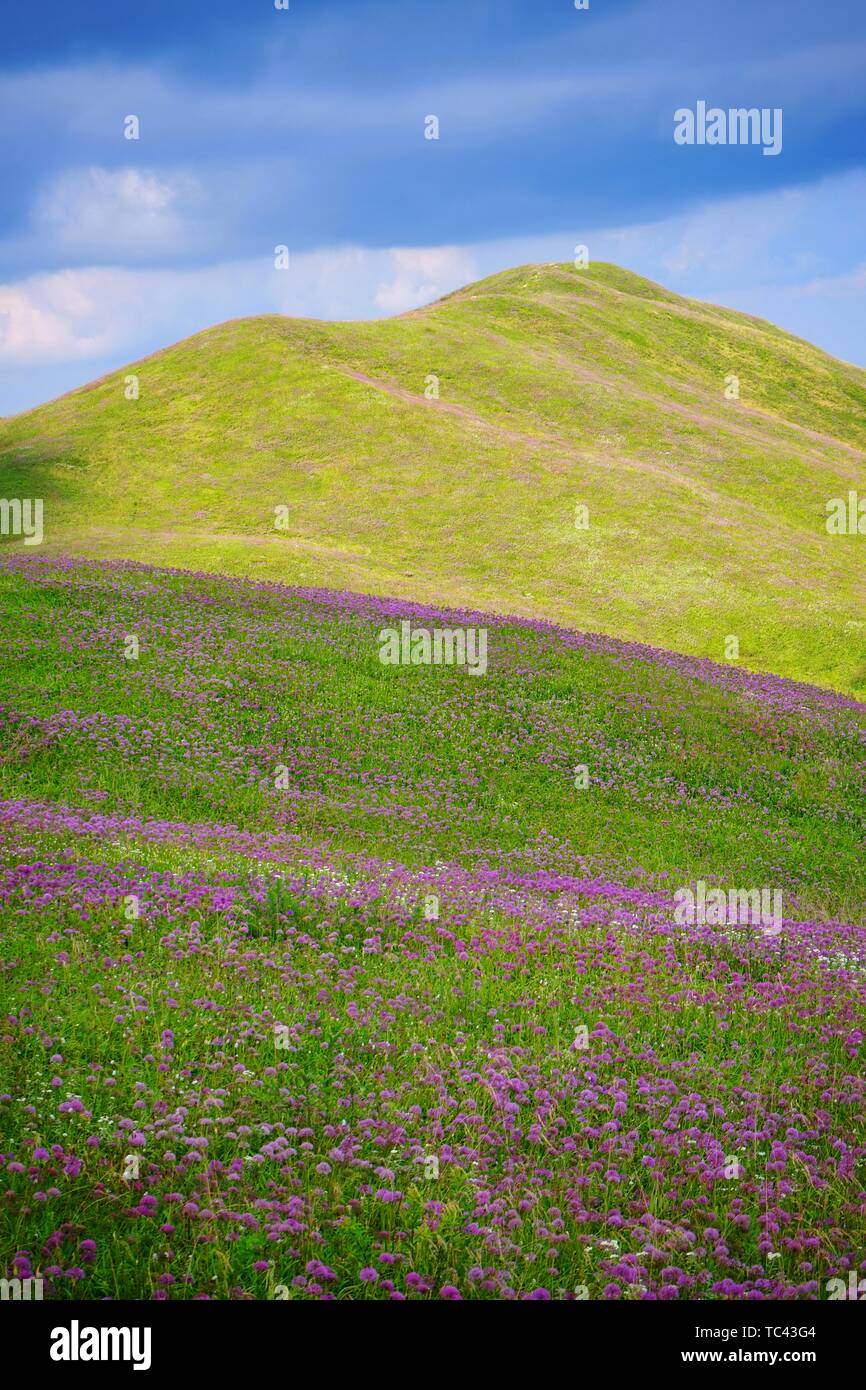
pixel 330 978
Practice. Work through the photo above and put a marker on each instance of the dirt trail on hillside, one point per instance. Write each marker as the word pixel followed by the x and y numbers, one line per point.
pixel 449 408
pixel 593 377
pixel 547 439
pixel 563 447
pixel 560 302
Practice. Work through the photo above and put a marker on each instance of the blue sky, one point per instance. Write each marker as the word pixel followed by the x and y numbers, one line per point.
pixel 305 127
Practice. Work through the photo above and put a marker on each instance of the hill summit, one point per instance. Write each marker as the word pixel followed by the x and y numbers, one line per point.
pixel 578 445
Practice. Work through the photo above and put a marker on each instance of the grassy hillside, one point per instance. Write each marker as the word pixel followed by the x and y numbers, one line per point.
pixel 557 387
pixel 241 1058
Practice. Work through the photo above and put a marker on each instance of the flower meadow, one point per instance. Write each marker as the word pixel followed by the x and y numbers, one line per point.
pixel 328 979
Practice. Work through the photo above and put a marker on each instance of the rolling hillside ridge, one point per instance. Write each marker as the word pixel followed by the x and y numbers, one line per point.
pixel 577 445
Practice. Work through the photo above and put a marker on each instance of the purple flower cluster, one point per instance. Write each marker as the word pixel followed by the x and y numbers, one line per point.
pixel 240 1058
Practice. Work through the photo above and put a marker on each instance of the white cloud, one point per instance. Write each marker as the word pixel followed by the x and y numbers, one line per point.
pixel 57 318
pixel 836 286
pixel 76 314
pixel 422 276
pixel 117 212
pixel 764 255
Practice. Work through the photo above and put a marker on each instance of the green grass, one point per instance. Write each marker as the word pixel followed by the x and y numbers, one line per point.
pixel 707 516
pixel 407 1039
pixel 686 777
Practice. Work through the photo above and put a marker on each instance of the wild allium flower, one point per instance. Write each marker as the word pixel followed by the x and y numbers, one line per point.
pixel 478 1089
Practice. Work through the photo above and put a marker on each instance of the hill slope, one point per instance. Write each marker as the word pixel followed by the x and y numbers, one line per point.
pixel 688 762
pixel 315 967
pixel 557 387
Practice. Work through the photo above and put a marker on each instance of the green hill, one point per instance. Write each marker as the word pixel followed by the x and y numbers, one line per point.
pixel 556 388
